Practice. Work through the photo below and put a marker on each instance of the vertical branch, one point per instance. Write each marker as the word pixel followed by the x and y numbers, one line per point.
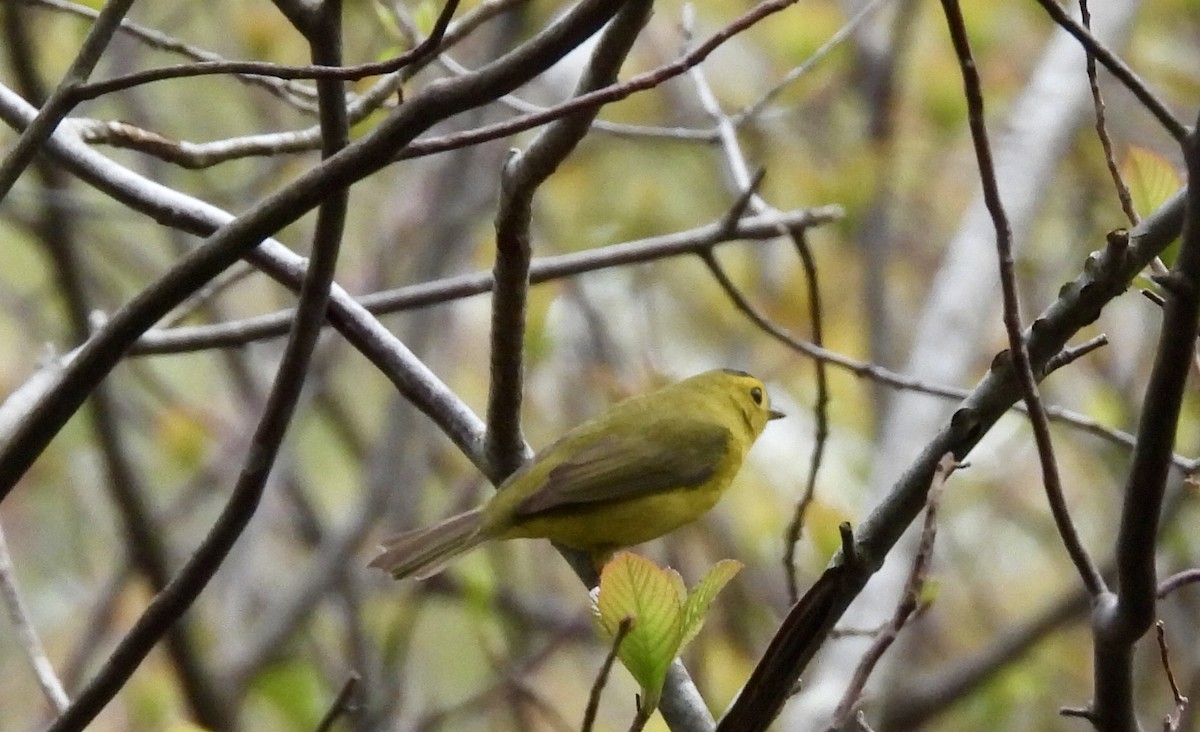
pixel 57 229
pixel 523 173
pixel 504 445
pixel 747 187
pixel 1118 623
pixel 820 411
pixel 1018 347
pixel 324 35
pixel 1085 17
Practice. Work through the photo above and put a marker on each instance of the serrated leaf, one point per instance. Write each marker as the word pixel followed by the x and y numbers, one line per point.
pixel 634 587
pixel 1151 179
pixel 696 606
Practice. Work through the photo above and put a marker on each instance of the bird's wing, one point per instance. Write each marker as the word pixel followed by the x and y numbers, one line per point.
pixel 671 453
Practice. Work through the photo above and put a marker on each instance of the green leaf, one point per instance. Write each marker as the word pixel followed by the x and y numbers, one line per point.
pixel 1151 179
pixel 696 606
pixel 634 587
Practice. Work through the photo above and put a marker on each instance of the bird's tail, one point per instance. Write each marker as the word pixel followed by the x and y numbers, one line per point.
pixel 425 552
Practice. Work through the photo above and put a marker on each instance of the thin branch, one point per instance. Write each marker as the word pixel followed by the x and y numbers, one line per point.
pixel 58 104
pixel 1070 355
pixel 821 417
pixel 178 595
pixel 27 636
pixel 593 705
pixel 755 108
pixel 522 175
pixel 342 704
pixel 1176 581
pixel 288 91
pixel 748 189
pixel 1171 723
pixel 910 599
pixel 543 269
pixel 1018 349
pixel 85 92
pixel 1114 172
pixel 1117 68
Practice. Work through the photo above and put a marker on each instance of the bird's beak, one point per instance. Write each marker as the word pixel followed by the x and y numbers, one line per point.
pixel 775 414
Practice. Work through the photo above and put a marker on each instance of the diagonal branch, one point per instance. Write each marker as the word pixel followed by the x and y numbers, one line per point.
pixel 1105 277
pixel 436 102
pixel 59 103
pixel 1117 68
pixel 1017 349
pixel 178 595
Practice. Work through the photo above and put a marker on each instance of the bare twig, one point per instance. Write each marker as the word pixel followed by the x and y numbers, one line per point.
pixel 821 418
pixel 59 103
pixel 523 174
pixel 1070 355
pixel 85 92
pixel 1117 68
pixel 27 634
pixel 299 95
pixel 1018 348
pixel 542 269
pixel 910 600
pixel 342 704
pixel 177 596
pixel 1176 581
pixel 593 705
pixel 1171 722
pixel 1085 17
pixel 750 198
pixel 755 108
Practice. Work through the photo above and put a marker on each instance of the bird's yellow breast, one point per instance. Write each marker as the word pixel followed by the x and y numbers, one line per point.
pixel 601 527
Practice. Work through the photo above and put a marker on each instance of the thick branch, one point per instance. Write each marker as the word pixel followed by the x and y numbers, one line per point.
pixel 1119 622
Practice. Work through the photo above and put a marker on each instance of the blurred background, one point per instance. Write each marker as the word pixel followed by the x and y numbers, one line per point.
pixel 845 104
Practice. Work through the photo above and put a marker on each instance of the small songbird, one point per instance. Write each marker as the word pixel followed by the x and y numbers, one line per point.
pixel 644 467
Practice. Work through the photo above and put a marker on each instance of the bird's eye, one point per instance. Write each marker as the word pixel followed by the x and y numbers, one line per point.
pixel 756 395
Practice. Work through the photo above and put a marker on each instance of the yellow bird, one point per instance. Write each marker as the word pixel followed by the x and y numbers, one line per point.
pixel 641 469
